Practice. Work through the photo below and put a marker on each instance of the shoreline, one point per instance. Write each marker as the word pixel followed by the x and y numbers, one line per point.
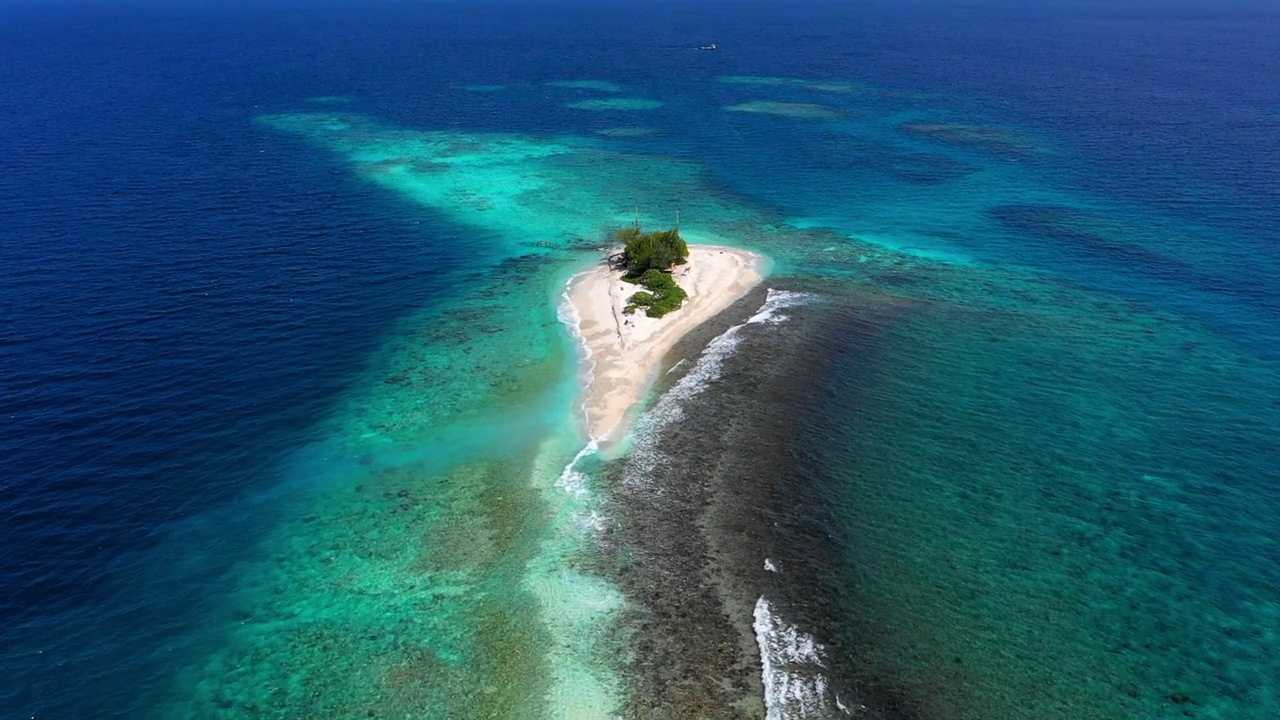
pixel 621 354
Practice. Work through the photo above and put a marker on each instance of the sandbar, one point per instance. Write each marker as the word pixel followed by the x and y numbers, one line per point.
pixel 624 352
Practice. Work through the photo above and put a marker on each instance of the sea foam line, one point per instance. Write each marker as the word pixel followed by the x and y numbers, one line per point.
pixel 568 314
pixel 669 408
pixel 572 480
pixel 791 668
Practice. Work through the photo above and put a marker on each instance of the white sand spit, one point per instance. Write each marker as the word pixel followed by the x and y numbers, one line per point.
pixel 626 350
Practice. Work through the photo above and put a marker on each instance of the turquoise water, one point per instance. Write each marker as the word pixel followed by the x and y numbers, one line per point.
pixel 995 439
pixel 1018 520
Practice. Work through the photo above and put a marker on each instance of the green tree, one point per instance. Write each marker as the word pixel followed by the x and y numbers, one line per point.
pixel 647 259
pixel 660 250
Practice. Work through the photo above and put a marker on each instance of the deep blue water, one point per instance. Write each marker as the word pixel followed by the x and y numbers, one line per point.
pixel 185 297
pixel 187 293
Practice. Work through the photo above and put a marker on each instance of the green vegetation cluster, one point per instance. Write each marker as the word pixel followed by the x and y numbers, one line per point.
pixel 663 295
pixel 647 259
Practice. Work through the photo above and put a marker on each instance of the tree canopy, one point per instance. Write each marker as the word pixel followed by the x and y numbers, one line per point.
pixel 647 259
pixel 659 250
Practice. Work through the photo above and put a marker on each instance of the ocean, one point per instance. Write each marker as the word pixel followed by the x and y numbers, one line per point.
pixel 291 398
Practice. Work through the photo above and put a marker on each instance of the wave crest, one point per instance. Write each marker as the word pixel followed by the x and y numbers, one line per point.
pixel 645 455
pixel 792 668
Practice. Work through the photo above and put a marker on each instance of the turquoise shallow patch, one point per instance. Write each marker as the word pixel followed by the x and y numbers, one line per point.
pixel 464 426
pixel 596 85
pixel 628 132
pixel 616 104
pixel 811 111
pixel 332 100
pixel 832 86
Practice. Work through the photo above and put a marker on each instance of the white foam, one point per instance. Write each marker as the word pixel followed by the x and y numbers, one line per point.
pixel 568 314
pixel 578 609
pixel 596 521
pixel 795 685
pixel 645 456
pixel 575 483
pixel 572 480
pixel 776 300
pixel 768 565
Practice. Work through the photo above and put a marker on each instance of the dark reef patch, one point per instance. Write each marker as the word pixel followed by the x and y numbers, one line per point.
pixel 729 490
pixel 1078 230
pixel 927 168
pixel 987 138
pixel 837 151
pixel 1098 237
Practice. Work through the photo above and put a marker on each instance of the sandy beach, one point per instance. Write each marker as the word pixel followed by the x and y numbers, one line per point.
pixel 625 351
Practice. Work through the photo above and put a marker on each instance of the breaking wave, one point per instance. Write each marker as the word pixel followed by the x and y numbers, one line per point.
pixel 567 314
pixel 572 480
pixel 645 456
pixel 795 685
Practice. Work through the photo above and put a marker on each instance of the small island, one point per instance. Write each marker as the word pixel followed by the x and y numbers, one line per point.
pixel 681 286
